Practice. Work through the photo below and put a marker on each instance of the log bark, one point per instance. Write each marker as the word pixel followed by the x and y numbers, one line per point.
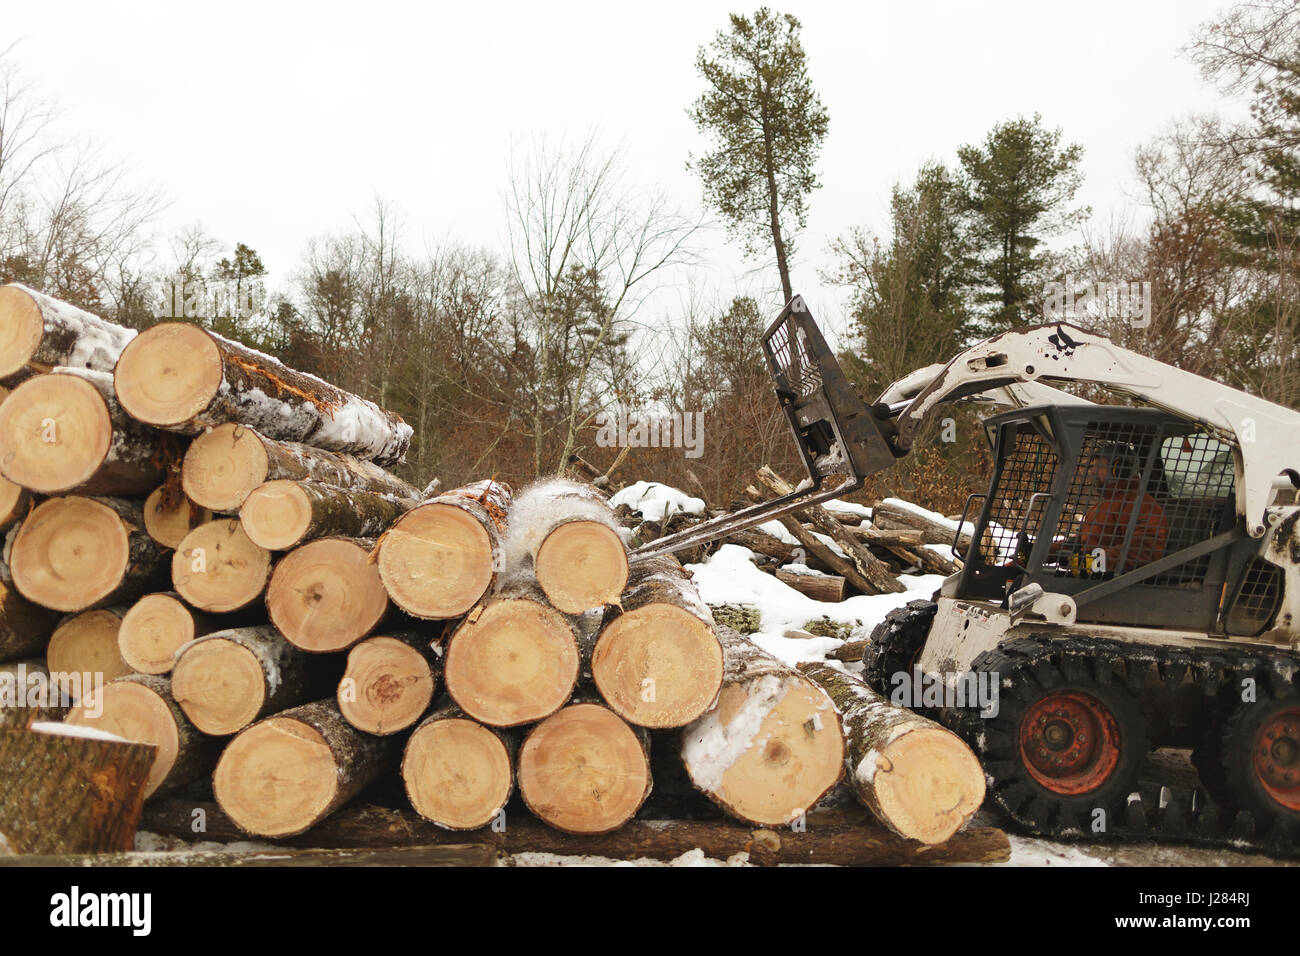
pixel 169 515
pixel 439 559
pixel 871 568
pixel 585 770
pixel 66 432
pixel 514 659
pixel 819 587
pixel 919 779
pixel 457 772
pixel 569 533
pixel 286 773
pixel 887 516
pixel 772 747
pixel 224 465
pixel 389 682
pixel 185 379
pixel 218 569
pixel 226 680
pixel 15 502
pixel 61 793
pixel 40 333
pixel 156 627
pixel 141 707
pixel 280 515
pixel 368 826
pixel 851 651
pixel 326 595
pixel 25 627
pixel 87 644
pixel 75 553
pixel 657 662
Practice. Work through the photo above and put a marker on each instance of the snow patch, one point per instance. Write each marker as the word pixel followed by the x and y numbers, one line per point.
pixel 652 500
pixel 75 730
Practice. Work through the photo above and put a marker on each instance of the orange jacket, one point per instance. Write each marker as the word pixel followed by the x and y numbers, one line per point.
pixel 1106 523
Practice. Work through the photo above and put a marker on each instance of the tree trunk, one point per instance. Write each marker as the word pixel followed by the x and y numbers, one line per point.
pixel 438 560
pixel 887 516
pixel 227 680
pixel 513 660
pixel 75 553
pixel 218 569
pixel 64 793
pixel 919 779
pixel 286 773
pixel 185 379
pixel 875 571
pixel 280 515
pixel 657 662
pixel 585 770
pixel 326 595
pixel 169 515
pixel 819 587
pixel 24 627
pixel 87 643
pixel 140 707
pixel 65 432
pixel 771 747
pixel 223 466
pixel 458 773
pixel 389 682
pixel 42 333
pixel 569 533
pixel 156 627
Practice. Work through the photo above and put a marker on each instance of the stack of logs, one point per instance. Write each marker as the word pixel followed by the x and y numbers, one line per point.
pixel 212 540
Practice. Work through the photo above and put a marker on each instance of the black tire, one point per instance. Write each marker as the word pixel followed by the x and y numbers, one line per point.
pixel 1067 776
pixel 896 645
pixel 1247 748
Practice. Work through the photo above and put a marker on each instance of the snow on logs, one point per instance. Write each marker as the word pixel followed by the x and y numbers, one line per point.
pixel 919 779
pixel 224 465
pixel 438 559
pixel 185 379
pixel 772 746
pixel 66 432
pixel 38 333
pixel 657 661
pixel 286 773
pixel 569 533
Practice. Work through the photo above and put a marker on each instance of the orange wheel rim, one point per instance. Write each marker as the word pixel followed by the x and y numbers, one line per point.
pixel 1277 757
pixel 1070 742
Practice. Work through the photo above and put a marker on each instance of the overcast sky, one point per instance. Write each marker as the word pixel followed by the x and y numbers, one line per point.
pixel 271 122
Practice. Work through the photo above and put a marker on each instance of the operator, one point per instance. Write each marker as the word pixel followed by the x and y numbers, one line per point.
pixel 1105 524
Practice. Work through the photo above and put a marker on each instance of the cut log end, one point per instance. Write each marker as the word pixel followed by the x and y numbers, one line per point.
pixel 584 770
pixel 391 685
pixel 514 662
pixel 70 553
pixel 217 568
pixel 326 595
pixel 220 686
pixel 277 777
pixel 21 330
pixel 457 773
pixel 135 712
pixel 658 666
pixel 55 432
pixel 153 630
pixel 169 526
pixel 223 466
pixel 276 514
pixel 582 565
pixel 928 783
pixel 436 561
pixel 168 374
pixel 88 644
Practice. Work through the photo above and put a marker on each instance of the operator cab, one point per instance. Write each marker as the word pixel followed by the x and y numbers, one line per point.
pixel 1130 511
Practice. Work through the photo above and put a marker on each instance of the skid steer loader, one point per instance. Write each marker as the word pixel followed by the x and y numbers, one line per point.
pixel 1131 582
